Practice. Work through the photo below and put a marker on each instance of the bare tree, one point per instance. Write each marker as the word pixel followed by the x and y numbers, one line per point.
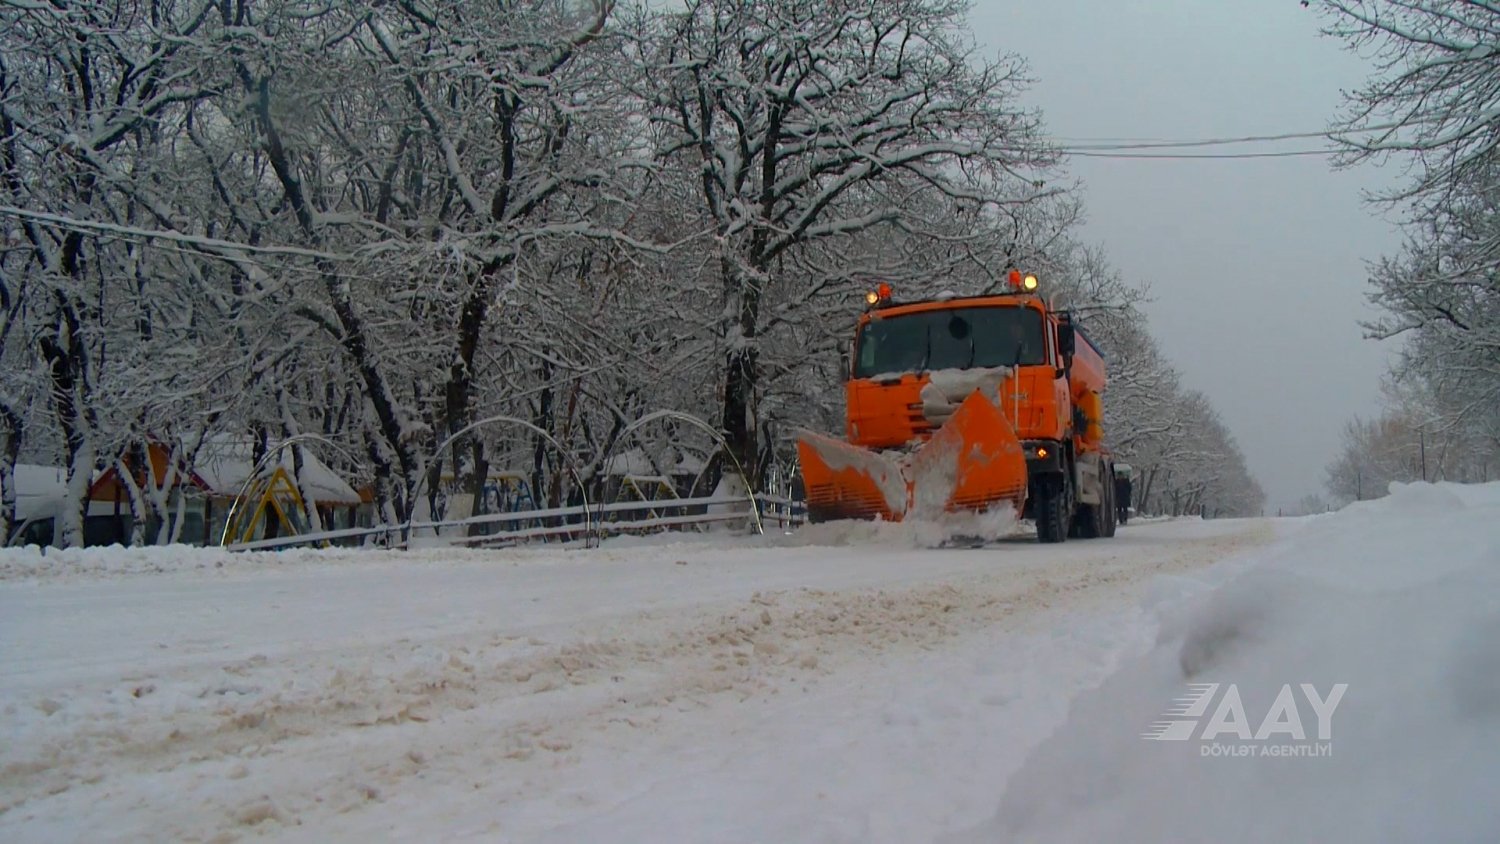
pixel 812 121
pixel 1435 101
pixel 380 222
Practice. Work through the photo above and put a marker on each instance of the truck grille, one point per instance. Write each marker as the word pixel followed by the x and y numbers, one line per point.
pixel 917 419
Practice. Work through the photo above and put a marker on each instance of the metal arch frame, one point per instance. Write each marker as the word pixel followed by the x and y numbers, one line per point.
pixel 589 516
pixel 266 461
pixel 718 437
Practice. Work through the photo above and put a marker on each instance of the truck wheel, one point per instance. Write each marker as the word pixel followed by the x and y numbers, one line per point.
pixel 1085 522
pixel 1091 521
pixel 1051 514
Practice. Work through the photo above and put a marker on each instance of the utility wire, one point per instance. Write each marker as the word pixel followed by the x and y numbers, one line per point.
pixel 207 243
pixel 1110 144
pixel 1124 148
pixel 1179 156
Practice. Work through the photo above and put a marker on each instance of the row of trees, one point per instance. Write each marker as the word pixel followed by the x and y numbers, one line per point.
pixel 1410 441
pixel 1433 104
pixel 1185 460
pixel 382 221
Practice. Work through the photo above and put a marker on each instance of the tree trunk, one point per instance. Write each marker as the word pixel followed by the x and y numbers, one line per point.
pixel 544 419
pixel 160 491
pixel 63 350
pixel 125 477
pixel 309 506
pixel 10 454
pixel 355 339
pixel 469 464
pixel 742 375
pixel 290 429
pixel 67 532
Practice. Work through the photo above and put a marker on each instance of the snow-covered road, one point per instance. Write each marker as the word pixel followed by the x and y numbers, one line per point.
pixel 776 690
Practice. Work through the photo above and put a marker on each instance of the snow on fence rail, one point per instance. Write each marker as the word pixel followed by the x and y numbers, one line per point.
pixel 566 523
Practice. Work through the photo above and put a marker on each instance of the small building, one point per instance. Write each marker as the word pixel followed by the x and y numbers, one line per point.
pixel 41 492
pixel 220 474
pixel 633 475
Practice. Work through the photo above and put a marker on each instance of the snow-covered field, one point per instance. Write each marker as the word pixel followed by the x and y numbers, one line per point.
pixel 828 686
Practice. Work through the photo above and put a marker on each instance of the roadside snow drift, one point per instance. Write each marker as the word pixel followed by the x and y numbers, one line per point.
pixel 1397 598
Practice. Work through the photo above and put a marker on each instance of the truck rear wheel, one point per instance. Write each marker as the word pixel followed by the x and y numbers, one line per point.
pixel 1090 522
pixel 1053 513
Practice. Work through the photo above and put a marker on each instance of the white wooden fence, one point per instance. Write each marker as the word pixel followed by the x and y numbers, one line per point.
pixel 560 524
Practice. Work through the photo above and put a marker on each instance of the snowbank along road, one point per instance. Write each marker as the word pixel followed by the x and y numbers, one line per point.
pixel 780 689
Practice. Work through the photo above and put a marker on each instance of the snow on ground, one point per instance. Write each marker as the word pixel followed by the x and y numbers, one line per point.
pixel 1397 598
pixel 844 683
pixel 783 689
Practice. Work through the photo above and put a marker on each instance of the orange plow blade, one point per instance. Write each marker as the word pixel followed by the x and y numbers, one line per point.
pixel 973 462
pixel 848 482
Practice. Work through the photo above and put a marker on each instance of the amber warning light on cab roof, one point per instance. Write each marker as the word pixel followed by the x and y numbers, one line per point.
pixel 882 295
pixel 1027 282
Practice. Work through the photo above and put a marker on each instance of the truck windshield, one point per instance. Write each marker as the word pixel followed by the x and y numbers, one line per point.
pixel 960 338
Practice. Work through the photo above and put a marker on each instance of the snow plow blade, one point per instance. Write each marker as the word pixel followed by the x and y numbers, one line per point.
pixel 973 462
pixel 844 481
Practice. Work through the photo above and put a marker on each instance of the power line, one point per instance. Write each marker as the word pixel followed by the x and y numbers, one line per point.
pixel 1179 156
pixel 1200 142
pixel 197 246
pixel 1110 144
pixel 208 243
pixel 1082 148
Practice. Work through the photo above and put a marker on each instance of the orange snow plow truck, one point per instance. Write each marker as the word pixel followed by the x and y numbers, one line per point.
pixel 958 404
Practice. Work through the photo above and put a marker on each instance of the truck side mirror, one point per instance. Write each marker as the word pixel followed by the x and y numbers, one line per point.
pixel 1066 340
pixel 844 366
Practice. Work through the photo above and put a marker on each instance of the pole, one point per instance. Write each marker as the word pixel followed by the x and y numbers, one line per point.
pixel 1422 445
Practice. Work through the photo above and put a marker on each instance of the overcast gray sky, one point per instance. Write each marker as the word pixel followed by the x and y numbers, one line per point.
pixel 1257 267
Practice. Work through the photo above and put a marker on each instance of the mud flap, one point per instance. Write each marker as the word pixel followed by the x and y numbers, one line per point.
pixel 973 462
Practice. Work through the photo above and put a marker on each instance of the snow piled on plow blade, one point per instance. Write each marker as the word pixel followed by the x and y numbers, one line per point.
pixel 974 462
pixel 848 482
